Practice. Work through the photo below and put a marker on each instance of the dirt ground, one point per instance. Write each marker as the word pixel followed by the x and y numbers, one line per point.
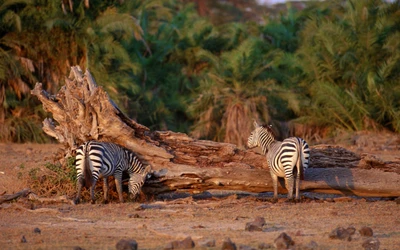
pixel 26 224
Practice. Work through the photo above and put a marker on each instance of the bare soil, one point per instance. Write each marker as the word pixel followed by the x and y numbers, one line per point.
pixel 155 223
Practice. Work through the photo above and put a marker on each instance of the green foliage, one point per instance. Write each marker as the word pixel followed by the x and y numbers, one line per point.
pixel 350 60
pixel 55 179
pixel 63 174
pixel 234 92
pixel 331 65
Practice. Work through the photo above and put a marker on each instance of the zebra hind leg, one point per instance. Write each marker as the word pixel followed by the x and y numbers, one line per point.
pixel 105 189
pixel 79 185
pixel 298 186
pixel 93 201
pixel 289 182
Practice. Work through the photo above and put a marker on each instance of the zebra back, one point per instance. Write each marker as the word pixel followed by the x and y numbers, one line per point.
pixel 264 137
pixel 104 158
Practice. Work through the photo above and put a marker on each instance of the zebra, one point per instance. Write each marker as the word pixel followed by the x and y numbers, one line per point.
pixel 288 158
pixel 97 159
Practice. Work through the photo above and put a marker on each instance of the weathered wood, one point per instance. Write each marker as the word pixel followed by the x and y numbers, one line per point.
pixel 10 197
pixel 83 111
pixel 346 181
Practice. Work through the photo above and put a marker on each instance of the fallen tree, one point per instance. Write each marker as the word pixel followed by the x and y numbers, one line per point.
pixel 83 111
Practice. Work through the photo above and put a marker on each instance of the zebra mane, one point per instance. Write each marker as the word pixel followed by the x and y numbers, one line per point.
pixel 269 129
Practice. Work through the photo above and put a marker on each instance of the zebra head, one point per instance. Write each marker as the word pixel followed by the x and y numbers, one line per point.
pixel 259 134
pixel 253 141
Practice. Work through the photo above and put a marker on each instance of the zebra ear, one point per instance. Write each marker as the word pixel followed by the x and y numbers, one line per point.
pixel 255 124
pixel 147 170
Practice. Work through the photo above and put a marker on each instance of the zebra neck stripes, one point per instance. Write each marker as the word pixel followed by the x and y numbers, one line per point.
pixel 265 140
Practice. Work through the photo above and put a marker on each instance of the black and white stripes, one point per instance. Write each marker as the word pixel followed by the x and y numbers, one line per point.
pixel 102 159
pixel 287 159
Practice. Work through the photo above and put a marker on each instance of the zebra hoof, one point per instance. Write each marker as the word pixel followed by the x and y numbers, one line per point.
pixel 93 202
pixel 76 201
pixel 290 200
pixel 274 200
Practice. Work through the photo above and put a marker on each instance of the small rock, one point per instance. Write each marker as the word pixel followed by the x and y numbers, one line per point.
pixel 340 233
pixel 283 241
pixel 187 243
pixel 371 244
pixel 36 230
pixel 256 225
pixel 133 216
pixel 351 230
pixel 251 227
pixel 366 231
pixel 127 245
pixel 265 246
pixel 207 242
pixel 78 248
pixel 184 244
pixel 228 245
pixel 23 239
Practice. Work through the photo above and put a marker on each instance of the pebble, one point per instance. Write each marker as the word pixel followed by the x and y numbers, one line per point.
pixel 184 244
pixel 283 241
pixel 127 245
pixel 256 225
pixel 228 245
pixel 366 231
pixel 37 230
pixel 341 234
pixel 371 244
pixel 23 239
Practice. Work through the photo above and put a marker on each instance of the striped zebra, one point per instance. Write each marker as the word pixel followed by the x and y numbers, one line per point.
pixel 96 159
pixel 288 158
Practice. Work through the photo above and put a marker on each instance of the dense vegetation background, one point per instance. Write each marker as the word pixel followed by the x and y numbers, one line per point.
pixel 208 68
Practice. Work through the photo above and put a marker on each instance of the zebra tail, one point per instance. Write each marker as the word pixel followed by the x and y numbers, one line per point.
pixel 300 161
pixel 87 172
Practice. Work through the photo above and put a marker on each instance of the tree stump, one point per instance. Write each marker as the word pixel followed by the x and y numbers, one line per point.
pixel 83 111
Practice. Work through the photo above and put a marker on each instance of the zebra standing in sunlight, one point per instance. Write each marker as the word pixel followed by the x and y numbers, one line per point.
pixel 288 158
pixel 102 159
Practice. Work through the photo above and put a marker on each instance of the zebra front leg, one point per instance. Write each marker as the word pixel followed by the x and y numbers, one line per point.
pixel 105 189
pixel 118 184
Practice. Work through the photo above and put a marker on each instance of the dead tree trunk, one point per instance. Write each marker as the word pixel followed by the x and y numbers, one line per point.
pixel 83 111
